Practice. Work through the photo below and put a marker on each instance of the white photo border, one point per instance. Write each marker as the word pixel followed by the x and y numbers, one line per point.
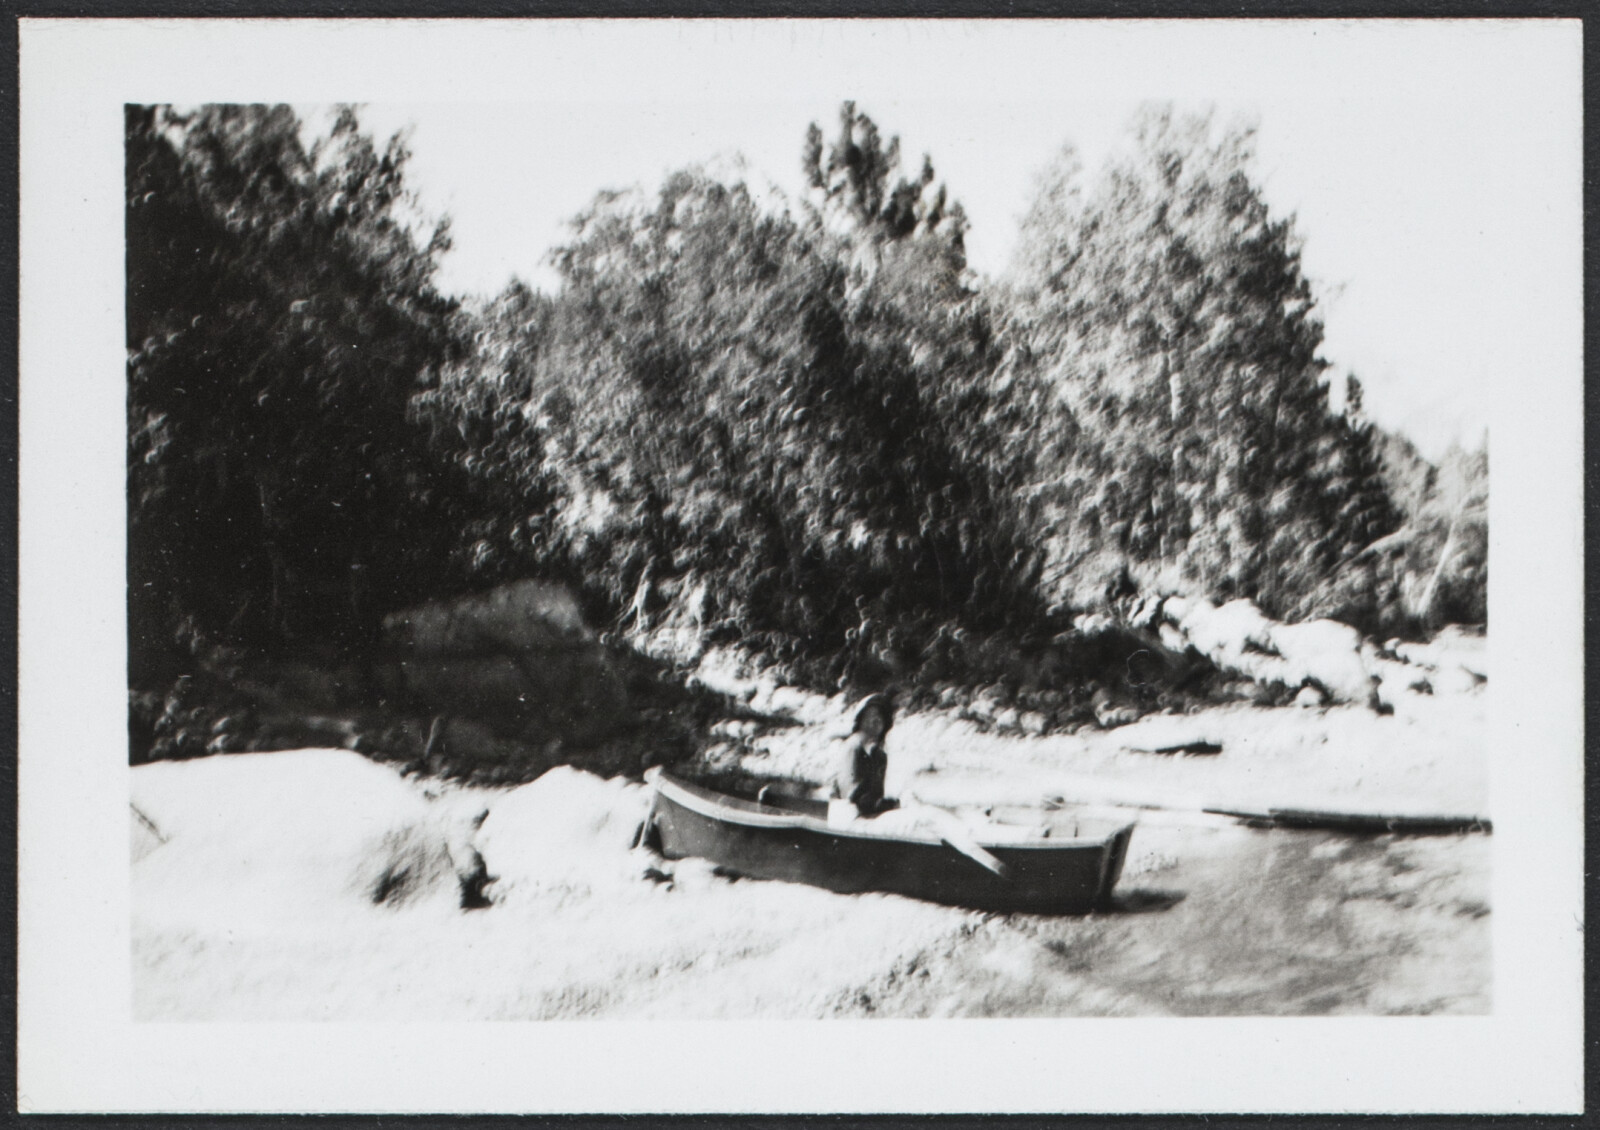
pixel 78 1049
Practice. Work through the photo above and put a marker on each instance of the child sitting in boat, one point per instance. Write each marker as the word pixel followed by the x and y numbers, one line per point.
pixel 856 794
pixel 856 790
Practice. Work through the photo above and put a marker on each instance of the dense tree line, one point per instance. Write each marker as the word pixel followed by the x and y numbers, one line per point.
pixel 805 427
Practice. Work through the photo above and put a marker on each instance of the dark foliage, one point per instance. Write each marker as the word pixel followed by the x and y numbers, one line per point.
pixel 280 317
pixel 778 427
pixel 803 428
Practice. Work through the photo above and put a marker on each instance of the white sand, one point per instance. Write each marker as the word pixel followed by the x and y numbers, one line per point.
pixel 255 875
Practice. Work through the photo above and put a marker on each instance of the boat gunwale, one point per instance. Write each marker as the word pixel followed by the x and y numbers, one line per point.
pixel 711 804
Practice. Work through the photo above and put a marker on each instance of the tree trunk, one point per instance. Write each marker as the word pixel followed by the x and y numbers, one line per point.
pixel 276 621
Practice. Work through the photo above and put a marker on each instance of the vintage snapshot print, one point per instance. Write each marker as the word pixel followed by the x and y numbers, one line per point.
pixel 616 526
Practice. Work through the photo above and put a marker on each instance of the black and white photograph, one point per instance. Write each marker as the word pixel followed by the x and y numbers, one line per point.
pixel 795 522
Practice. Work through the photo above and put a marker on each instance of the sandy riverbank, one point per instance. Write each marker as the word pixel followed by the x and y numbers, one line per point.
pixel 253 885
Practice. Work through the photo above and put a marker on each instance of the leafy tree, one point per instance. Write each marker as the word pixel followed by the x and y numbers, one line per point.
pixel 280 316
pixel 776 422
pixel 480 425
pixel 1167 308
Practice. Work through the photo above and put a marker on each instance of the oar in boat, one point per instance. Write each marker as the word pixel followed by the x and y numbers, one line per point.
pixel 953 831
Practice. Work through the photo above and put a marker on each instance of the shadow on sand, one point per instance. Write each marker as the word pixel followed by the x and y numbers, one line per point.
pixel 1144 901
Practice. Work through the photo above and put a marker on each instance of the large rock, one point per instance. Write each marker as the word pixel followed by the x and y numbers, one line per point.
pixel 1325 654
pixel 1238 637
pixel 1328 653
pixel 1456 660
pixel 518 659
pixel 516 617
pixel 1227 632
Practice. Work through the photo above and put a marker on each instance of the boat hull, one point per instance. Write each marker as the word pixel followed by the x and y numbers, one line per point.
pixel 769 841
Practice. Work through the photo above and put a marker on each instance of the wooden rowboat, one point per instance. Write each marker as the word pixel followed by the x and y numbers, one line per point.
pixel 788 837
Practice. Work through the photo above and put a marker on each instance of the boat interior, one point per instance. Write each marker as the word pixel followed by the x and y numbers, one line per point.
pixel 752 792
